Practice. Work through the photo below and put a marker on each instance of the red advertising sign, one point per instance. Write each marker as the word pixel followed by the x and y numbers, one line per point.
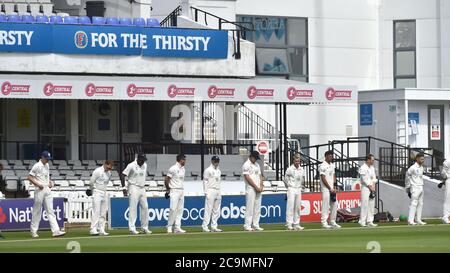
pixel 311 206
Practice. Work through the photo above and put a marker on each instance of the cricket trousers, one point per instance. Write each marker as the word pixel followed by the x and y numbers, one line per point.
pixel 43 197
pixel 367 206
pixel 137 195
pixel 446 213
pixel 415 208
pixel 293 206
pixel 176 208
pixel 212 207
pixel 252 208
pixel 327 205
pixel 99 209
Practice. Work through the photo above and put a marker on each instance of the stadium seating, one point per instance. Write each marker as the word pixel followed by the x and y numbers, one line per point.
pixel 112 21
pixel 84 20
pixel 70 20
pixel 139 22
pixel 98 20
pixel 55 19
pixel 126 21
pixel 152 22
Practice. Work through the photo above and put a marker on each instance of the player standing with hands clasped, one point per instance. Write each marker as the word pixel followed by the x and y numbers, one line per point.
pixel 254 187
pixel 133 180
pixel 40 177
pixel 327 182
pixel 98 185
pixel 174 185
pixel 446 175
pixel 211 186
pixel 414 188
pixel 368 181
pixel 294 178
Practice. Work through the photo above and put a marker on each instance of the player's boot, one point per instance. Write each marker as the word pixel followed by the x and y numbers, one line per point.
pixel 326 226
pixel 93 232
pixel 145 230
pixel 445 221
pixel 298 228
pixel 134 232
pixel 362 224
pixel 420 222
pixel 103 233
pixel 248 229
pixel 371 224
pixel 335 225
pixel 205 229
pixel 289 227
pixel 34 235
pixel 179 230
pixel 169 230
pixel 412 224
pixel 59 233
pixel 258 228
pixel 215 229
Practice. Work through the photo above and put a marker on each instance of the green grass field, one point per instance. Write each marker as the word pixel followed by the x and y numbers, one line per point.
pixel 392 237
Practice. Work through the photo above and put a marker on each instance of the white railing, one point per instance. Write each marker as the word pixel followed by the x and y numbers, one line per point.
pixel 78 210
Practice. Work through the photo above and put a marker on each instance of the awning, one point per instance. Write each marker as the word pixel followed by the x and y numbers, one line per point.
pixel 260 90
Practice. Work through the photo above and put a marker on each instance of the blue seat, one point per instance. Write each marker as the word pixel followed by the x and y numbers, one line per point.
pixel 139 22
pixel 112 21
pixel 13 18
pixel 3 18
pixel 98 20
pixel 28 19
pixel 84 20
pixel 56 19
pixel 126 22
pixel 152 22
pixel 70 20
pixel 41 19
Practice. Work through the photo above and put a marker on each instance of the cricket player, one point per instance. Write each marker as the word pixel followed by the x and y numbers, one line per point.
pixel 368 181
pixel 98 184
pixel 327 182
pixel 294 178
pixel 213 198
pixel 414 188
pixel 133 179
pixel 446 175
pixel 39 176
pixel 254 187
pixel 174 185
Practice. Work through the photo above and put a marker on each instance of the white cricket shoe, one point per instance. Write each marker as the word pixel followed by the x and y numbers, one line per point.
pixel 134 232
pixel 34 235
pixel 103 233
pixel 362 224
pixel 146 231
pixel 258 228
pixel 412 224
pixel 205 229
pixel 179 230
pixel 93 232
pixel 371 224
pixel 248 229
pixel 289 227
pixel 421 223
pixel 169 230
pixel 298 227
pixel 327 226
pixel 214 229
pixel 335 225
pixel 58 234
pixel 445 221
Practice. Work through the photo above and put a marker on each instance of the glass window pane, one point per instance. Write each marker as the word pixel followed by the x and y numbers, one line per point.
pixel 60 118
pixel 131 117
pixel 403 83
pixel 298 61
pixel 405 34
pixel 405 63
pixel 47 117
pixel 297 32
pixel 272 61
pixel 270 31
pixel 245 21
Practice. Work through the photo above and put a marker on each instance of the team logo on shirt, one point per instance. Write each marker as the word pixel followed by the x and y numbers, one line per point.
pixel 8 88
pixel 332 94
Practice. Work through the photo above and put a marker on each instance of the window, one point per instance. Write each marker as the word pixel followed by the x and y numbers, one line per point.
pixel 405 54
pixel 53 127
pixel 131 117
pixel 281 45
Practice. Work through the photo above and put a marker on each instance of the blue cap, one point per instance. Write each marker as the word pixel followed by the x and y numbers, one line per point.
pixel 46 155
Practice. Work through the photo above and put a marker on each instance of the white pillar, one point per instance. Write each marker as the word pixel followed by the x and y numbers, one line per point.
pixel 72 133
pixel 406 123
pixel 141 10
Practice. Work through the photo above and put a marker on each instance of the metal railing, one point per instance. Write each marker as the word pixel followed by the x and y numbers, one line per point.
pixel 12 149
pixel 171 19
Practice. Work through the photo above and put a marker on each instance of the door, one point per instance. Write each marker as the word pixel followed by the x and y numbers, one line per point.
pixel 436 131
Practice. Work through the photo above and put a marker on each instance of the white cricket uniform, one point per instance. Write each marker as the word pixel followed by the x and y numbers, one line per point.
pixel 98 183
pixel 368 178
pixel 41 173
pixel 252 197
pixel 328 170
pixel 213 198
pixel 414 182
pixel 136 190
pixel 176 174
pixel 294 178
pixel 446 173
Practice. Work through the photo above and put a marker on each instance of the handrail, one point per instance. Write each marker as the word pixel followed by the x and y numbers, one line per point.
pixel 171 19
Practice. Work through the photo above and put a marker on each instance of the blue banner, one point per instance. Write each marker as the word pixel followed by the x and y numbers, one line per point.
pixel 273 210
pixel 365 114
pixel 15 214
pixel 114 40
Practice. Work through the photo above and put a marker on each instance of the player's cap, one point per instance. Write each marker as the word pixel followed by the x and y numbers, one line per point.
pixel 46 155
pixel 254 154
pixel 141 157
pixel 215 158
